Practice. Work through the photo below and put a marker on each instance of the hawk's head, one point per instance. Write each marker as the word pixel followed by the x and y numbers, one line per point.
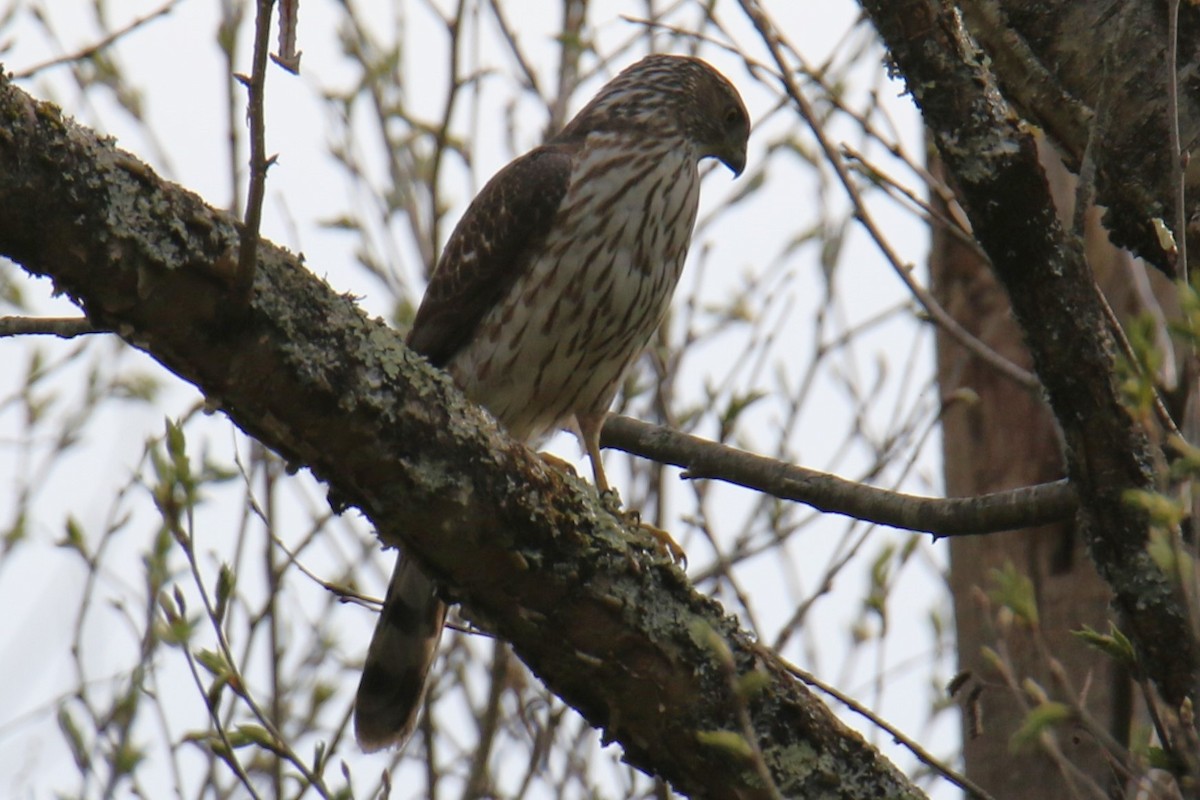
pixel 667 95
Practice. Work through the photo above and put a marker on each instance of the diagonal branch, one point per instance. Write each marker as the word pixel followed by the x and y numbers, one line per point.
pixel 533 556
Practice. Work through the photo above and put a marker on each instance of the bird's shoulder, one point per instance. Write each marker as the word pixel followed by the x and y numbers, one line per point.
pixel 491 246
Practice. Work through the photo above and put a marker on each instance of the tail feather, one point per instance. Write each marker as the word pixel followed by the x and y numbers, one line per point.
pixel 402 649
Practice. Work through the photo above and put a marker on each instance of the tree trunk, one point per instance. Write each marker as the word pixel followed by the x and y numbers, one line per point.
pixel 997 436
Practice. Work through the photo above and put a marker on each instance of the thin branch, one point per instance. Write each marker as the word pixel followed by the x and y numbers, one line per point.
pixel 773 41
pixel 256 87
pixel 63 327
pixel 96 47
pixel 1177 155
pixel 288 56
pixel 966 516
pixel 923 755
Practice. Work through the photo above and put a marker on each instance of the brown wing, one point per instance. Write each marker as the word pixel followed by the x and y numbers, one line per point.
pixel 490 247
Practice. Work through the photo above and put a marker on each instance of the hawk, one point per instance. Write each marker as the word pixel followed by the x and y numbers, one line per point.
pixel 550 286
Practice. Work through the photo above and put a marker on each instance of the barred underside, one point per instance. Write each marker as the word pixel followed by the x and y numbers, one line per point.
pixel 561 339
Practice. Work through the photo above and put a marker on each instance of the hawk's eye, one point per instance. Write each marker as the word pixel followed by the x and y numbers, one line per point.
pixel 733 116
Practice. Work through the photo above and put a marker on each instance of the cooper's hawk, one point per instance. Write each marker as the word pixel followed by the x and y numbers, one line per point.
pixel 549 288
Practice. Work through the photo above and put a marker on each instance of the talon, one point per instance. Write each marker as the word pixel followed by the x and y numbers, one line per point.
pixel 554 462
pixel 664 543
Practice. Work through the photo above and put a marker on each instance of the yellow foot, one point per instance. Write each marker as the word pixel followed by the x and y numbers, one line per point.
pixel 665 545
pixel 557 463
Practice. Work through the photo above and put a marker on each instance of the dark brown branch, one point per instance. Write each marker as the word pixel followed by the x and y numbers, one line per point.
pixel 957 516
pixel 256 88
pixel 1054 299
pixel 533 555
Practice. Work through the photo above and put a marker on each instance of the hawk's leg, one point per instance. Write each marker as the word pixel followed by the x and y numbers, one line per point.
pixel 589 432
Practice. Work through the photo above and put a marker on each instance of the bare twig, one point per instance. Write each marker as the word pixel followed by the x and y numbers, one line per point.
pixel 923 755
pixel 96 47
pixel 1176 144
pixel 63 327
pixel 773 41
pixel 259 163
pixel 288 56
pixel 965 516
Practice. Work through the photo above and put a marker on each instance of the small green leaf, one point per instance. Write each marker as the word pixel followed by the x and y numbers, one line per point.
pixel 1114 644
pixel 137 386
pixel 74 538
pixel 1014 590
pixel 15 534
pixel 1160 758
pixel 1171 556
pixel 175 631
pixel 704 635
pixel 215 663
pixel 752 683
pixel 126 758
pixel 226 581
pixel 177 450
pixel 732 743
pixel 79 749
pixel 1037 721
pixel 1163 510
pixel 245 735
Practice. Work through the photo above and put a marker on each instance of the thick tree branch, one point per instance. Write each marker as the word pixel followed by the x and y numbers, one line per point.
pixel 1094 74
pixel 1054 299
pixel 532 555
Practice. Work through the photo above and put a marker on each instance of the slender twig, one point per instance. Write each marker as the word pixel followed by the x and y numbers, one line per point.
pixel 280 744
pixel 442 137
pixel 478 775
pixel 574 18
pixel 96 47
pixel 953 223
pixel 230 757
pixel 228 29
pixel 288 56
pixel 259 163
pixel 508 34
pixel 1177 154
pixel 939 315
pixel 63 327
pixel 1118 333
pixel 739 691
pixel 923 755
pixel 959 516
pixel 274 577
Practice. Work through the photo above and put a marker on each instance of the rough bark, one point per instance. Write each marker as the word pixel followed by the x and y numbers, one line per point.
pixel 1004 191
pixel 1093 74
pixel 533 555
